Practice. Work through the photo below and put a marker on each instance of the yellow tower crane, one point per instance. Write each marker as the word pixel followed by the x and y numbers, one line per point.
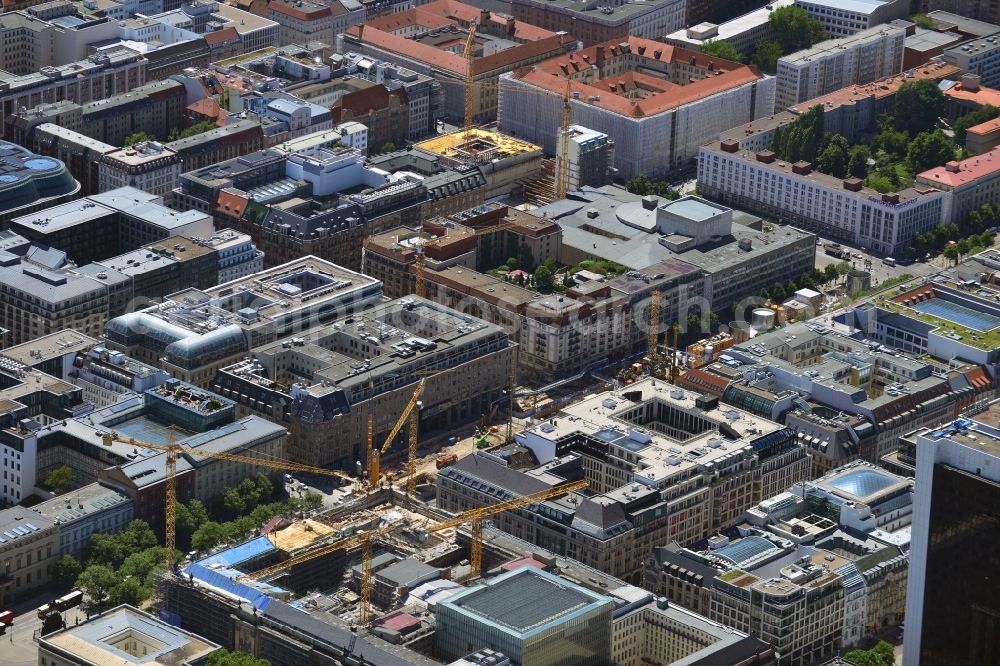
pixel 375 455
pixel 654 330
pixel 474 516
pixel 470 80
pixel 172 449
pixel 562 181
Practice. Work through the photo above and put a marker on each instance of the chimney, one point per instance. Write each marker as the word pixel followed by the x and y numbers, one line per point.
pixel 953 166
pixel 891 197
pixel 510 27
pixel 649 202
pixel 600 59
pixel 765 156
pixel 484 16
pixel 729 145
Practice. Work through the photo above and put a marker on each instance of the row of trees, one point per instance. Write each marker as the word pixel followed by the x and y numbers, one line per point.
pixel 971 234
pixel 780 292
pixel 643 186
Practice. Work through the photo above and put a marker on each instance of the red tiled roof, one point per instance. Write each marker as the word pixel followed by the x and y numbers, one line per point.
pixel 978 378
pixel 980 97
pixel 230 204
pixel 703 381
pixel 551 75
pixel 206 107
pixel 988 127
pixel 219 36
pixel 969 170
pixel 398 621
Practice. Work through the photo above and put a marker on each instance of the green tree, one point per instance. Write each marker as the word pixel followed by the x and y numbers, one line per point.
pixel 882 654
pixel 568 280
pixel 105 549
pixel 525 260
pixel 802 139
pixel 639 185
pixel 880 184
pixel 919 104
pixel 777 293
pixel 312 501
pixel 67 570
pixel 223 657
pixel 694 323
pixel 388 147
pixel 233 502
pixel 951 252
pixel 766 55
pixel 830 273
pixel 96 582
pixel 60 479
pixel 144 566
pixel 857 161
pixel 543 279
pixel 971 119
pixel 928 150
pixel 794 29
pixel 137 537
pixel 264 486
pixel 834 157
pixel 923 20
pixel 138 137
pixel 891 141
pixel 720 48
pixel 129 591
pixel 843 268
pixel 207 536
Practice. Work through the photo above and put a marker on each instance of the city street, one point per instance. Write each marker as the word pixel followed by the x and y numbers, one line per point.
pixel 18 645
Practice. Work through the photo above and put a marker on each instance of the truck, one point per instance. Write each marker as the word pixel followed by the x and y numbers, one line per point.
pixel 834 250
pixel 446 459
pixel 68 601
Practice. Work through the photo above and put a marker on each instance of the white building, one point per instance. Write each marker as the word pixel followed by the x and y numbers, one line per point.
pixel 238 255
pixel 796 194
pixel 657 103
pixel 743 32
pixel 149 166
pixel 353 135
pixel 842 18
pixel 867 56
pixel 978 56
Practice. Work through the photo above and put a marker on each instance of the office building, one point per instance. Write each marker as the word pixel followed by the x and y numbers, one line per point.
pixel 97 77
pixel 29 182
pixel 193 333
pixel 427 39
pixel 28 553
pixel 614 21
pixel 283 198
pixel 595 319
pixel 687 100
pixel 216 145
pixel 651 454
pixel 83 512
pixel 797 194
pixel 238 255
pixel 646 629
pixel 368 365
pixel 866 56
pixel 148 166
pixel 952 598
pixel 843 18
pixel 110 377
pixel 526 614
pixel 738 252
pixel 505 161
pixel 743 32
pixel 972 182
pixel 78 152
pixel 127 636
pixel 111 223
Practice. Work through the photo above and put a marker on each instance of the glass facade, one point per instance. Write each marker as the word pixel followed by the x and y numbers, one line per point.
pixel 961 614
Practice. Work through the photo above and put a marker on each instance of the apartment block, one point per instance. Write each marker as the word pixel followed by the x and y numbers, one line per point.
pixel 799 195
pixel 980 57
pixel 688 100
pixel 863 57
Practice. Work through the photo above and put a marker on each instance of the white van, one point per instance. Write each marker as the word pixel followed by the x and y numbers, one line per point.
pixel 889 261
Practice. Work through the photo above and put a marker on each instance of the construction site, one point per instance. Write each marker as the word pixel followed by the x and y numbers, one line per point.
pixel 361 583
